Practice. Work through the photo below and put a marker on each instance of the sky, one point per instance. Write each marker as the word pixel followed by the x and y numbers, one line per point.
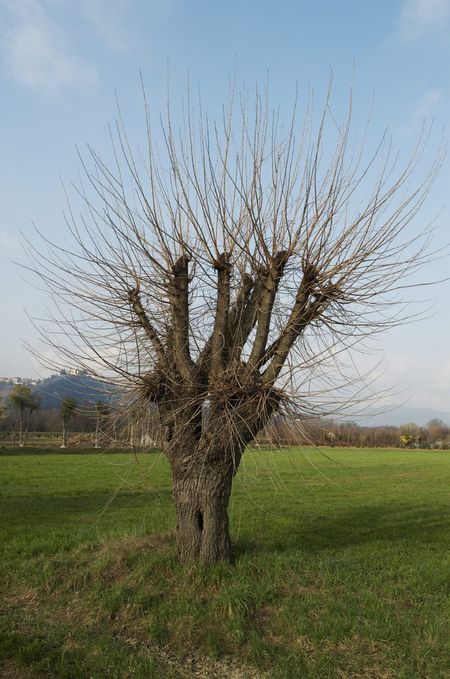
pixel 62 65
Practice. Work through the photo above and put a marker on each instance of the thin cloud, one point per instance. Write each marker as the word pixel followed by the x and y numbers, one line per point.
pixel 35 49
pixel 423 17
pixel 424 111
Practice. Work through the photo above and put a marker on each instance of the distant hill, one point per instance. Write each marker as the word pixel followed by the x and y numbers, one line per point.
pixel 83 388
pixel 404 414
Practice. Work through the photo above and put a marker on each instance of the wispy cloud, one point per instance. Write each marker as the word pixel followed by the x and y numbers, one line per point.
pixel 424 111
pixel 422 17
pixel 36 51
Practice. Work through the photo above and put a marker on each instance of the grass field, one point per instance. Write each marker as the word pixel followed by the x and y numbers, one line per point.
pixel 342 569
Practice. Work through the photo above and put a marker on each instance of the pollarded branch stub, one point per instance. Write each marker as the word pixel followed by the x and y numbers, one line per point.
pixel 222 262
pixel 279 261
pixel 181 265
pixel 247 281
pixel 272 272
pixel 310 272
pixel 180 282
pixel 133 295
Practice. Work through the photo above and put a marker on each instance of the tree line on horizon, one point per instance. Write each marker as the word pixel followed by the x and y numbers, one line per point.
pixel 98 424
pixel 21 416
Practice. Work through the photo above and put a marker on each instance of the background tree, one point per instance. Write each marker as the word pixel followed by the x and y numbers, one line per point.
pixel 438 431
pixel 222 275
pixel 406 440
pixel 24 403
pixel 68 408
pixel 409 434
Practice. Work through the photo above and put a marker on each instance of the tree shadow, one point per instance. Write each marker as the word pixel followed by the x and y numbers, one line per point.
pixel 51 509
pixel 12 451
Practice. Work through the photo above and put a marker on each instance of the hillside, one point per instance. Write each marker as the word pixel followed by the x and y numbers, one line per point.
pixel 83 388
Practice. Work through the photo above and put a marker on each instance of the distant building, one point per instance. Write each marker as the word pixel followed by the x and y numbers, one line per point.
pixel 73 372
pixel 11 381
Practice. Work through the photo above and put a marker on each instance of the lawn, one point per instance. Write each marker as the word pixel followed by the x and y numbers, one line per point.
pixel 342 569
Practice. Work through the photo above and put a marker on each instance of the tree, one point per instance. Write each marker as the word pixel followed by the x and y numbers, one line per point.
pixel 23 402
pixel 438 430
pixel 67 411
pixel 221 275
pixel 406 440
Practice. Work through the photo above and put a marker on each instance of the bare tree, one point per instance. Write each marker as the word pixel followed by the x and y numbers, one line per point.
pixel 221 276
pixel 437 430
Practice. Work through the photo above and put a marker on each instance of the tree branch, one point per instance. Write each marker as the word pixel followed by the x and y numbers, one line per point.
pixel 144 322
pixel 309 304
pixel 236 331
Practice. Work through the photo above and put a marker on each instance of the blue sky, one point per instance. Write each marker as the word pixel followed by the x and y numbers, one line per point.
pixel 62 62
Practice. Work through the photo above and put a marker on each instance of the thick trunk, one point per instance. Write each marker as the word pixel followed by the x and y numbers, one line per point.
pixel 203 468
pixel 201 504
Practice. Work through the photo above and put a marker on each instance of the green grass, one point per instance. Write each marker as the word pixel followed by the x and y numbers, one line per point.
pixel 342 569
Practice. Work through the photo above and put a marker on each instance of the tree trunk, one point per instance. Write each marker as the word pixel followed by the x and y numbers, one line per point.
pixel 201 504
pixel 64 435
pixel 22 428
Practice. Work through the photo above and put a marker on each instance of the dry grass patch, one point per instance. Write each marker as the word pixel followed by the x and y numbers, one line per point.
pixel 12 670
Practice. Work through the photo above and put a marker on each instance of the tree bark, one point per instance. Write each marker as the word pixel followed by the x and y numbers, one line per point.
pixel 201 505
